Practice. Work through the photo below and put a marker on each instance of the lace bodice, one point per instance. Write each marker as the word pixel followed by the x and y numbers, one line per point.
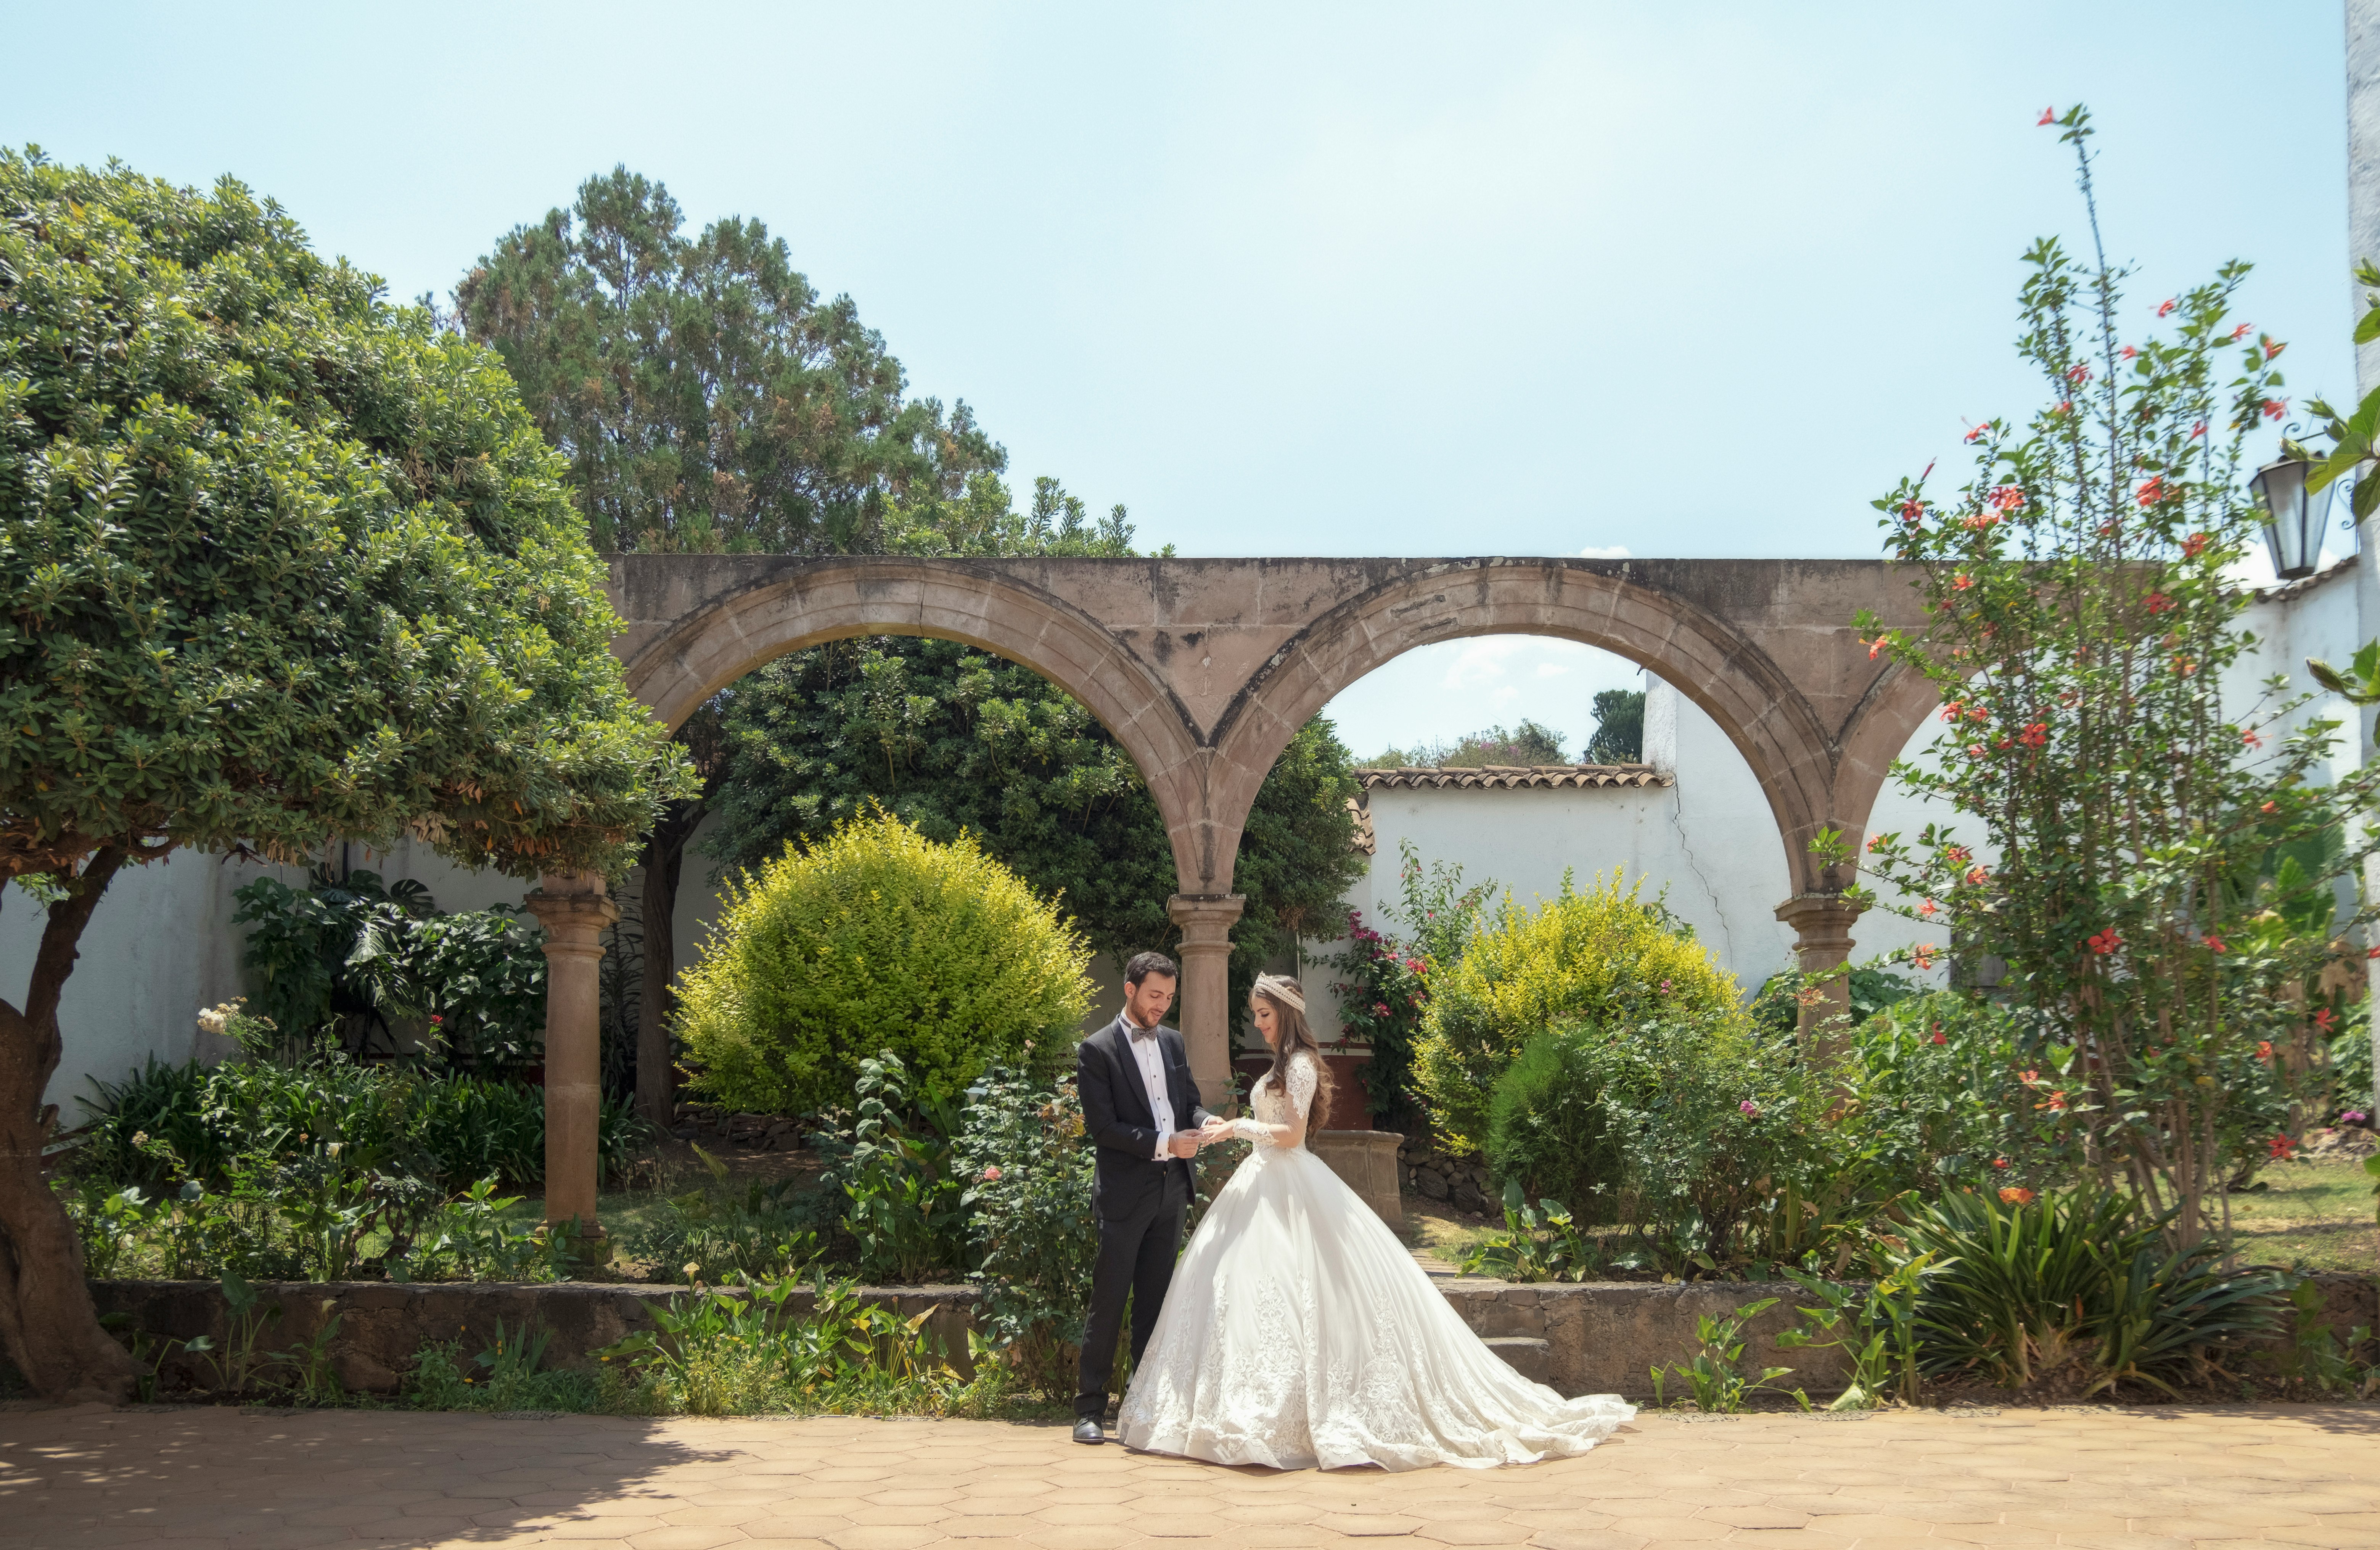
pixel 1271 1106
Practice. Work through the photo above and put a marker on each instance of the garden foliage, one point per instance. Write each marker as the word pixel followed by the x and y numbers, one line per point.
pixel 870 940
pixel 1027 1167
pixel 347 957
pixel 2162 885
pixel 1603 956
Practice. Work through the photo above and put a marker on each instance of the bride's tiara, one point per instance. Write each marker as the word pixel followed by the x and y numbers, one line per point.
pixel 1283 990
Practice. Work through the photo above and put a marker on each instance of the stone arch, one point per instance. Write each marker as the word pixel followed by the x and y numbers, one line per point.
pixel 721 638
pixel 1706 658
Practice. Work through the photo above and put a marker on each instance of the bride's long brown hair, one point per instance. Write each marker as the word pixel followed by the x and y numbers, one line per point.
pixel 1296 1033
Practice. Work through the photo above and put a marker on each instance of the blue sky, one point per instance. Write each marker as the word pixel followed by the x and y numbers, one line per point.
pixel 1695 279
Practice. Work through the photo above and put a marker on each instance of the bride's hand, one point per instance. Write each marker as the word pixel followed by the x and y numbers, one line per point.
pixel 1214 1131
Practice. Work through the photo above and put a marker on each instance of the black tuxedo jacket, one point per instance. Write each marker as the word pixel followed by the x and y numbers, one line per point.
pixel 1126 1177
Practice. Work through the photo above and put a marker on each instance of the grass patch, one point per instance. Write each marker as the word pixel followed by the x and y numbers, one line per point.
pixel 2317 1216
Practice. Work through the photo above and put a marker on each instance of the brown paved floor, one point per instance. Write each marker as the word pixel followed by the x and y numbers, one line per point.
pixel 188 1479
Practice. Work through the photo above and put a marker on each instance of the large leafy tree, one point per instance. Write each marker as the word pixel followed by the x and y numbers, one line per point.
pixel 950 739
pixel 709 399
pixel 707 396
pixel 281 565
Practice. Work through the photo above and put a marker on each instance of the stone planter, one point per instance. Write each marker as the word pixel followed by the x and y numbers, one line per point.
pixel 1366 1162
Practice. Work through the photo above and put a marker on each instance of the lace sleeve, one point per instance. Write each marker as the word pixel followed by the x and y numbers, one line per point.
pixel 1303 1080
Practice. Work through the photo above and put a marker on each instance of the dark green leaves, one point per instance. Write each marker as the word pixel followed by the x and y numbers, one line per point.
pixel 282 563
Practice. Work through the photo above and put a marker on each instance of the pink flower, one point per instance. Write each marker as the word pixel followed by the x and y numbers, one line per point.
pixel 1380 1009
pixel 2164 308
pixel 2240 333
pixel 2272 347
pixel 2048 116
pixel 2276 407
pixel 2128 353
pixel 435 1019
pixel 1747 1107
pixel 2197 431
pixel 992 1175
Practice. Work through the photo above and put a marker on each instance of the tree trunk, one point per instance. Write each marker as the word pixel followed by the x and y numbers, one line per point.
pixel 48 1326
pixel 664 859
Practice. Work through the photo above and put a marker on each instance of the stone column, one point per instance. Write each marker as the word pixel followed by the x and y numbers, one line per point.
pixel 573 909
pixel 1822 931
pixel 1206 1015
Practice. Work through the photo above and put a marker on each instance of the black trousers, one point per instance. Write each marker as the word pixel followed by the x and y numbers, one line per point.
pixel 1136 1255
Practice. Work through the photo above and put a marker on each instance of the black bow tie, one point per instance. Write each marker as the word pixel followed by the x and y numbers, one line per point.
pixel 1139 1033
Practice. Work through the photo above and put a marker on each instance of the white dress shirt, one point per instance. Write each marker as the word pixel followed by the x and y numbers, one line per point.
pixel 1146 1050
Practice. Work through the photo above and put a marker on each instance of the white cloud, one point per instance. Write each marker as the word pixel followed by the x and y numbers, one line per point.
pixel 1506 694
pixel 1483 662
pixel 1552 670
pixel 1604 551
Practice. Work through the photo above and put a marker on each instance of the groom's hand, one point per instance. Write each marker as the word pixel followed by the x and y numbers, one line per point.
pixel 1184 1144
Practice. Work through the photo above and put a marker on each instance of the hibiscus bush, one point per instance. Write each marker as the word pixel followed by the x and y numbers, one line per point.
pixel 1027 1171
pixel 2165 862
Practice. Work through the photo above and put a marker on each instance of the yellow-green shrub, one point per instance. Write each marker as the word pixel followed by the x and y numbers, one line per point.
pixel 1604 956
pixel 877 939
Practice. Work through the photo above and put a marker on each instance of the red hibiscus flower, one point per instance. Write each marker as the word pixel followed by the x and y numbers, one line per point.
pixel 2166 306
pixel 2106 942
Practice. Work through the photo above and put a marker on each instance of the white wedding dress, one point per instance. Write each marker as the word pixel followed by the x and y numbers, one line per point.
pixel 1299 1332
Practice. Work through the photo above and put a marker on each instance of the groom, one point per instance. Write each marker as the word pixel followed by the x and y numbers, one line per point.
pixel 1142 1110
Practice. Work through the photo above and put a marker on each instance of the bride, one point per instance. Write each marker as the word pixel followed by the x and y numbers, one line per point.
pixel 1299 1332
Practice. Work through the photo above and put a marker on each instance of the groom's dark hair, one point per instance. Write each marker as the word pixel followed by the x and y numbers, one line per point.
pixel 1144 964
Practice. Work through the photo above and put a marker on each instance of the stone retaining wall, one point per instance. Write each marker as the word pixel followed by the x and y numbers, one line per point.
pixel 1599 1338
pixel 383 1323
pixel 1462 1182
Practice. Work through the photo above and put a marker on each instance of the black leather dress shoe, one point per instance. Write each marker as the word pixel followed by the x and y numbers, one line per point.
pixel 1088 1430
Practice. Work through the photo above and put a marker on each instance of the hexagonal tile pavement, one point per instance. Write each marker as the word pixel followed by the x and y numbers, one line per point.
pixel 2296 1478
